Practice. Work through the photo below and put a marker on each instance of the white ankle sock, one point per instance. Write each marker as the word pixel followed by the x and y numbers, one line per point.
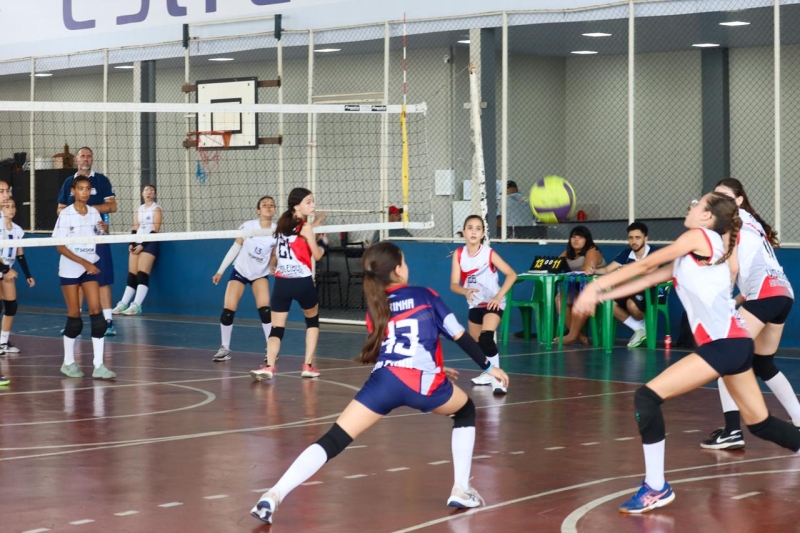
pixel 226 335
pixel 107 314
pixel 654 464
pixel 267 329
pixel 4 337
pixel 462 443
pixel 785 394
pixel 495 360
pixel 128 295
pixel 141 293
pixel 97 349
pixel 306 465
pixel 69 350
pixel 634 324
pixel 725 397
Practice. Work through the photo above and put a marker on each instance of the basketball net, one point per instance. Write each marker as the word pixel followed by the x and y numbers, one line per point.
pixel 210 145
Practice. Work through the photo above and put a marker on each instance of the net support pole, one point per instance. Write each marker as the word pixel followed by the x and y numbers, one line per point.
pixel 384 199
pixel 404 126
pixel 281 193
pixel 32 149
pixel 312 118
pixel 135 144
pixel 777 83
pixel 187 200
pixel 105 115
pixel 631 95
pixel 478 169
pixel 504 130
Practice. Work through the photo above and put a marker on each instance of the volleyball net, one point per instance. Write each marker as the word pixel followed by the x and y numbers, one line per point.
pixel 210 164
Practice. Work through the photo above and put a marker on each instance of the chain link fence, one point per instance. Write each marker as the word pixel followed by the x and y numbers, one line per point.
pixel 700 113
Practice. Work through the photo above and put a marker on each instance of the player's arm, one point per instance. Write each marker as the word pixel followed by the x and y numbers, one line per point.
pixel 611 267
pixel 317 250
pixel 508 272
pixel 455 276
pixel 158 217
pixel 109 206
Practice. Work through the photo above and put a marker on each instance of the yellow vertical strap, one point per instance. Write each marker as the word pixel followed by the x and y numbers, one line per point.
pixel 405 164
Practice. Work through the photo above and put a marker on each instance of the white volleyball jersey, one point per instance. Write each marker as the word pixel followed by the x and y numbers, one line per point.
pixel 146 216
pixel 760 274
pixel 705 292
pixel 10 253
pixel 253 259
pixel 478 272
pixel 70 223
pixel 294 256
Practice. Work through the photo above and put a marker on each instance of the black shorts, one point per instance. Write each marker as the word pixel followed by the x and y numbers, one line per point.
pixel 728 356
pixel 106 266
pixel 301 290
pixel 638 300
pixel 151 248
pixel 774 310
pixel 84 278
pixel 476 314
pixel 235 276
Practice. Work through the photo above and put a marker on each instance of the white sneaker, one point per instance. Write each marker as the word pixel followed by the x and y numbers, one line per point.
pixel 8 348
pixel 483 379
pixel 119 308
pixel 265 372
pixel 266 506
pixel 132 310
pixel 639 336
pixel 464 499
pixel 498 388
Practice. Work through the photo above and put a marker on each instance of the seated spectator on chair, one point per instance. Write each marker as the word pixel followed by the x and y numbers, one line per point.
pixel 395 215
pixel 519 210
pixel 630 310
pixel 581 255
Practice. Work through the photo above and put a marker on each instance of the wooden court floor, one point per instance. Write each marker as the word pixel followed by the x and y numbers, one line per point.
pixel 178 443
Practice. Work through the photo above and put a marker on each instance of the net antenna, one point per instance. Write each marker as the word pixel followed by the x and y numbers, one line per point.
pixel 478 166
pixel 209 145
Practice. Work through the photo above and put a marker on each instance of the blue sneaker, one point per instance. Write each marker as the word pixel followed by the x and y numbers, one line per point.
pixel 648 499
pixel 111 331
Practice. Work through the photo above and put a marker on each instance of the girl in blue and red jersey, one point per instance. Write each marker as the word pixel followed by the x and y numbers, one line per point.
pixel 404 325
pixel 296 245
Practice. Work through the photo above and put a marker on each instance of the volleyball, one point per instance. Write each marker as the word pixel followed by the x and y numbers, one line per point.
pixel 552 199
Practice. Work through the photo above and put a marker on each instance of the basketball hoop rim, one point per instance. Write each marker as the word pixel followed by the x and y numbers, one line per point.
pixel 226 135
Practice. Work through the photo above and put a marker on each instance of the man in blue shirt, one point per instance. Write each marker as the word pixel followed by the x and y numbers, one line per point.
pixel 630 310
pixel 104 200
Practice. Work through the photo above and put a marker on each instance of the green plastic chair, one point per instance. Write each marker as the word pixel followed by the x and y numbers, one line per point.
pixel 536 310
pixel 653 306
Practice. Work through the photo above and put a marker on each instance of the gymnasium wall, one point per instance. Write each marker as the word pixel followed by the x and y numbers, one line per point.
pixel 181 281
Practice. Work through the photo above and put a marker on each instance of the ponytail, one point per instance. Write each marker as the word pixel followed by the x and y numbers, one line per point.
pixel 726 220
pixel 379 262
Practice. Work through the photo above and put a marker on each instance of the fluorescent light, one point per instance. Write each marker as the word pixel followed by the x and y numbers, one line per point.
pixel 584 52
pixel 705 45
pixel 465 41
pixel 124 67
pixel 735 23
pixel 327 50
pixel 597 34
pixel 43 74
pixel 220 59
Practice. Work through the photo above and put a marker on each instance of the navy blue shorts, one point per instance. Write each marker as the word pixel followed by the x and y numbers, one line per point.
pixel 728 356
pixel 151 248
pixel 384 391
pixel 106 266
pixel 85 278
pixel 772 310
pixel 301 290
pixel 235 276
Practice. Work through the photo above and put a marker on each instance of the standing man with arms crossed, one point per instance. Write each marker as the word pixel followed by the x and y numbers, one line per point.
pixel 104 200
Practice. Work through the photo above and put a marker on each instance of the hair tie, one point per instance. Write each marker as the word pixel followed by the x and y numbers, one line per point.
pixel 370 273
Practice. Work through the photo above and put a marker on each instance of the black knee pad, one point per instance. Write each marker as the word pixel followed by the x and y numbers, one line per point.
pixel 99 325
pixel 277 332
pixel 265 314
pixel 312 322
pixel 649 415
pixel 334 441
pixel 73 328
pixel 465 417
pixel 763 366
pixel 487 344
pixel 777 431
pixel 226 318
pixel 131 282
pixel 143 278
pixel 11 307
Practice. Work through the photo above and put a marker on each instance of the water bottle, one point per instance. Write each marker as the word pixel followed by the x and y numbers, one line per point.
pixel 667 342
pixel 105 217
